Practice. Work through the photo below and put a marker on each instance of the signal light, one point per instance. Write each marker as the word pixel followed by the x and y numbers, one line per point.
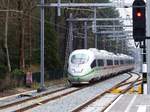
pixel 139 20
pixel 138 14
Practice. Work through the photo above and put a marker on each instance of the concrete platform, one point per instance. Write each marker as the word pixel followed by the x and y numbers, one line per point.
pixel 130 103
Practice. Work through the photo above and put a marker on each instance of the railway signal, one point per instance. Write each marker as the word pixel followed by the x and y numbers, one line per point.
pixel 139 20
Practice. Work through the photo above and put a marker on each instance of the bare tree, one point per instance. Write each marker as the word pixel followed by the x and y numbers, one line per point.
pixel 5 19
pixel 29 7
pixel 21 36
pixel 6 37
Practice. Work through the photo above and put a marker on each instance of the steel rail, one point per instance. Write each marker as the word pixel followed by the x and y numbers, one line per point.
pixel 124 90
pixel 30 98
pixel 78 109
pixel 54 98
pixel 43 101
pixel 36 103
pixel 131 85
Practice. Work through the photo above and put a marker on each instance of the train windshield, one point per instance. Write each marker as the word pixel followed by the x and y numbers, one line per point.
pixel 79 59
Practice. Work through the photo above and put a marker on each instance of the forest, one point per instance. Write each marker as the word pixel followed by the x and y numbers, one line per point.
pixel 20 38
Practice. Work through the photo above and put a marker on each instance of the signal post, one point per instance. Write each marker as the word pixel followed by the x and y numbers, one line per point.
pixel 148 45
pixel 139 32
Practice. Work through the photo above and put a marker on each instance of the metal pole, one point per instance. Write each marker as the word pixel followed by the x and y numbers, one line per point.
pixel 98 19
pixel 95 29
pixel 70 34
pixel 141 57
pixel 144 68
pixel 76 5
pixel 122 46
pixel 114 36
pixel 148 45
pixel 96 40
pixel 59 7
pixel 85 35
pixel 141 64
pixel 42 85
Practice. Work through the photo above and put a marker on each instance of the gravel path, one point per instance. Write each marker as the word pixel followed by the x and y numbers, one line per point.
pixel 26 95
pixel 71 101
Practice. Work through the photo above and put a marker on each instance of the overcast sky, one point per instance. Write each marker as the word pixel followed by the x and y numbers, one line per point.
pixel 127 13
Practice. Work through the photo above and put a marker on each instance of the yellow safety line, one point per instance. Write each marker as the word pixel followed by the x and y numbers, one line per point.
pixel 139 89
pixel 131 90
pixel 116 91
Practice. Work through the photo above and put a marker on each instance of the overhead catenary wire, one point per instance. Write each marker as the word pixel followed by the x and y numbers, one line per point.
pixel 52 23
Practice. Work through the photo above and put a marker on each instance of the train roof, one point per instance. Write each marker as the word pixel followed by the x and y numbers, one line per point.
pixel 124 56
pixel 108 55
pixel 102 54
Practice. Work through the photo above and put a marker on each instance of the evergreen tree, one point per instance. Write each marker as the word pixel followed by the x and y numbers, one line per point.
pixel 52 60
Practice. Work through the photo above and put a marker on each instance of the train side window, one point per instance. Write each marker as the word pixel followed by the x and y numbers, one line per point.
pixel 125 61
pixel 121 62
pixel 93 64
pixel 128 61
pixel 109 62
pixel 132 62
pixel 100 62
pixel 116 62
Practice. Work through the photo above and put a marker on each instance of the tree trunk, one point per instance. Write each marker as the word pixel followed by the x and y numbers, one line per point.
pixel 30 37
pixel 21 36
pixel 6 38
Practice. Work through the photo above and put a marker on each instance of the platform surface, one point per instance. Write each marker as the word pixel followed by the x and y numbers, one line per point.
pixel 130 103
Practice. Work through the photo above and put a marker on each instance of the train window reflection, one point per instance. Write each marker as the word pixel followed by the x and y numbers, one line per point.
pixel 121 62
pixel 116 62
pixel 109 62
pixel 100 62
pixel 79 58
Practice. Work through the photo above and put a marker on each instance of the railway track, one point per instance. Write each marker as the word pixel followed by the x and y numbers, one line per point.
pixel 125 82
pixel 130 85
pixel 32 102
pixel 124 87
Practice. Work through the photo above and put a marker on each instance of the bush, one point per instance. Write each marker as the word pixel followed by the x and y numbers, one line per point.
pixel 3 70
pixel 5 83
pixel 17 73
pixel 19 76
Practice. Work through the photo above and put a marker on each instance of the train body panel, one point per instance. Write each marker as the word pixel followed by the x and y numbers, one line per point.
pixel 78 61
pixel 82 79
pixel 86 65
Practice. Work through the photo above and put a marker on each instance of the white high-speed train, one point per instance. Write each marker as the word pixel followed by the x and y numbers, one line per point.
pixel 87 65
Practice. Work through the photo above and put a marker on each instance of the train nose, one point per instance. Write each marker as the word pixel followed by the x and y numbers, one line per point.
pixel 77 70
